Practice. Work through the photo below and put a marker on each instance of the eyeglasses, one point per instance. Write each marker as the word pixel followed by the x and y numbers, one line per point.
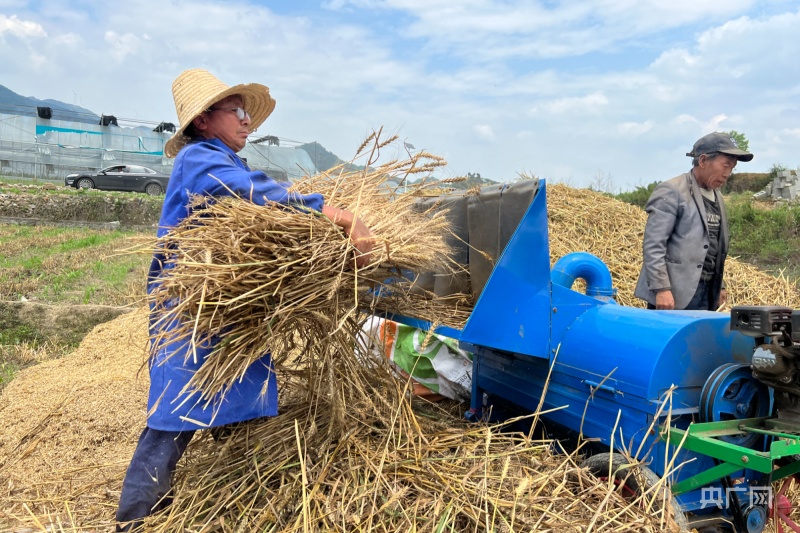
pixel 241 114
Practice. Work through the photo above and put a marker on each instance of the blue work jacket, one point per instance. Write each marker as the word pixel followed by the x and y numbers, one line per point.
pixel 211 168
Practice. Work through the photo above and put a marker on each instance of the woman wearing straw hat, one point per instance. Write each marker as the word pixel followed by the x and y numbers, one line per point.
pixel 215 120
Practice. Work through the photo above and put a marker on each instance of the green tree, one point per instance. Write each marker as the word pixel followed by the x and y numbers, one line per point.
pixel 741 140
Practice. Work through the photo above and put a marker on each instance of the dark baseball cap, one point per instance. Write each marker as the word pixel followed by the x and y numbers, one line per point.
pixel 719 142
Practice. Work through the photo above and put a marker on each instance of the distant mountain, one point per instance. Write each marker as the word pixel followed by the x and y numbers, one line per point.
pixel 323 159
pixel 16 104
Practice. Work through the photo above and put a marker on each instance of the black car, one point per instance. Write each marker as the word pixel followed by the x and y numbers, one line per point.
pixel 121 178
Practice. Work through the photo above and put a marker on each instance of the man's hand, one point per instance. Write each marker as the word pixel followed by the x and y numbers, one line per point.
pixel 359 233
pixel 723 298
pixel 665 300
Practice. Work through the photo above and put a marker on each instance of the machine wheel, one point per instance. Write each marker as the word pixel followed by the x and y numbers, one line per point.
pixel 85 183
pixel 153 189
pixel 633 481
pixel 731 393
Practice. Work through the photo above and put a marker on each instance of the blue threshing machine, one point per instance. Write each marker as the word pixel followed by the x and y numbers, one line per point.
pixel 711 399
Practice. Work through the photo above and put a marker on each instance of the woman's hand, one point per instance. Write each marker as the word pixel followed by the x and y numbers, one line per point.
pixel 359 233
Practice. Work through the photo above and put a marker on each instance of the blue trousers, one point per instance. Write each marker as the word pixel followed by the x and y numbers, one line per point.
pixel 148 479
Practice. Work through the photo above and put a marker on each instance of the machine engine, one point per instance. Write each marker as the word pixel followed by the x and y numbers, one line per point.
pixel 776 358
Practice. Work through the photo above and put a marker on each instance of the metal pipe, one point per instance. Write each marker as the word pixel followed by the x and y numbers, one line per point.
pixel 587 267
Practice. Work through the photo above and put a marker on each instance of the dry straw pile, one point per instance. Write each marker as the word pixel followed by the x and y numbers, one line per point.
pixel 349 451
pixel 68 429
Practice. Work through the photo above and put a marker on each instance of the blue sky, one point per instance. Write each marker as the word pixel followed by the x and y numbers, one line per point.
pixel 610 93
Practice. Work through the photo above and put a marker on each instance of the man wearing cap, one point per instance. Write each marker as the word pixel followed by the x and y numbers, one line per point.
pixel 686 237
pixel 215 120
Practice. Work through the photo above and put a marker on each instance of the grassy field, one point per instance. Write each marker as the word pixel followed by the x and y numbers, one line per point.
pixel 41 186
pixel 64 265
pixel 765 234
pixel 71 265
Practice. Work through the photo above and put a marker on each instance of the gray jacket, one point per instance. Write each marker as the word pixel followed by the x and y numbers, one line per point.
pixel 676 242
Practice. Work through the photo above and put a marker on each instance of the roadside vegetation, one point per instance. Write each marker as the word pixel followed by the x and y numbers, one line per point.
pixel 765 234
pixel 40 186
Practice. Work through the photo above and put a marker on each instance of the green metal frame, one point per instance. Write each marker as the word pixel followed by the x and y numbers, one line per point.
pixel 704 438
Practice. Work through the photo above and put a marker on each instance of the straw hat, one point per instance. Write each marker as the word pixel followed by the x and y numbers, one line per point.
pixel 196 90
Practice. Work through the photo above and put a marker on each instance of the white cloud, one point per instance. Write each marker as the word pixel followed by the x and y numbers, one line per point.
pixel 344 4
pixel 715 123
pixel 635 128
pixel 709 125
pixel 590 103
pixel 121 45
pixel 678 60
pixel 686 119
pixel 37 60
pixel 654 14
pixel 538 29
pixel 67 39
pixel 450 76
pixel 741 50
pixel 20 28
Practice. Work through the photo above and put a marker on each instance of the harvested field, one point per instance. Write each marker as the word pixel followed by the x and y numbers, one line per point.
pixel 69 427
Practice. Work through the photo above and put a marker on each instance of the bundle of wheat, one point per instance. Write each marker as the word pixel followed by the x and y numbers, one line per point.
pixel 348 452
pixel 69 427
pixel 63 462
pixel 257 276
